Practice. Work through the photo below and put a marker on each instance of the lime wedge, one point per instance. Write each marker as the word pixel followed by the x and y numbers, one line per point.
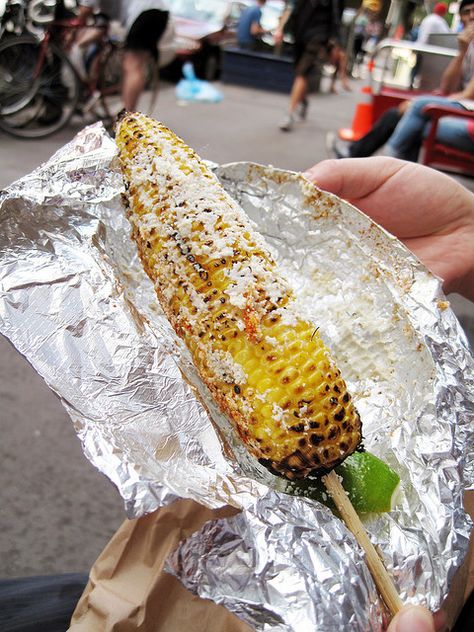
pixel 369 482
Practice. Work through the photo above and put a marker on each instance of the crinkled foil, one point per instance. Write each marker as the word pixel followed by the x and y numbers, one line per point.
pixel 75 302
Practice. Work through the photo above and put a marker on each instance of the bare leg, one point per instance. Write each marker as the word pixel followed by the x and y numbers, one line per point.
pixel 89 35
pixel 298 92
pixel 297 97
pixel 84 39
pixel 134 64
pixel 342 68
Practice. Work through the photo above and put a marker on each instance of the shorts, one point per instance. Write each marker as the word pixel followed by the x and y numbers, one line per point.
pixel 146 31
pixel 309 55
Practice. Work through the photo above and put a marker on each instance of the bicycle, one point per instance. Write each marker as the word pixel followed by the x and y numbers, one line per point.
pixel 40 90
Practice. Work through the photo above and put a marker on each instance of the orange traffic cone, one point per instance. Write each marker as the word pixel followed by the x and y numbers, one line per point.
pixel 361 122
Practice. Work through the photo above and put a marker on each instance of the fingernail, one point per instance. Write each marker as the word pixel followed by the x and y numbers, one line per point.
pixel 415 619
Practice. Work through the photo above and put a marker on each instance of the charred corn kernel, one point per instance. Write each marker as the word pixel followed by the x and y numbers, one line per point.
pixel 265 365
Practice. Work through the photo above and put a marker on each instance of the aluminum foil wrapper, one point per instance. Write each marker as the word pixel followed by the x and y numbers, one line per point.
pixel 75 301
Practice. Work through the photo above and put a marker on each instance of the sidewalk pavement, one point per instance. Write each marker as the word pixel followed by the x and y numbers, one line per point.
pixel 58 512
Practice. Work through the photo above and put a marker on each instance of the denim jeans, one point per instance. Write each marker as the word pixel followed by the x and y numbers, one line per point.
pixel 414 126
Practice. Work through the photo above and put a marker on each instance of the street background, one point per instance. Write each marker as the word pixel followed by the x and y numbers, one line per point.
pixel 57 511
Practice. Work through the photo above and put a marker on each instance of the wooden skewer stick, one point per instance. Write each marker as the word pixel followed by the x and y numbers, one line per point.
pixel 382 579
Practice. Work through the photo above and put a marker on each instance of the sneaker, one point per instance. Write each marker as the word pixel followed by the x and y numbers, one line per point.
pixel 335 148
pixel 287 123
pixel 302 110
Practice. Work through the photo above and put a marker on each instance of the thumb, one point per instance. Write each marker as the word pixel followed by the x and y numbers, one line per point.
pixel 412 619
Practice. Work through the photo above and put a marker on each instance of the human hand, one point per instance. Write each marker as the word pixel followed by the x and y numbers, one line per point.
pixel 466 36
pixel 429 211
pixel 412 619
pixel 466 93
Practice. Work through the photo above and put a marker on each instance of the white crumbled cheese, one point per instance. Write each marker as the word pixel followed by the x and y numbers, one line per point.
pixel 148 220
pixel 197 207
pixel 276 289
pixel 245 276
pixel 241 278
pixel 262 396
pixel 222 364
pixel 186 315
pixel 279 415
pixel 168 292
pixel 287 315
pixel 196 299
pixel 277 412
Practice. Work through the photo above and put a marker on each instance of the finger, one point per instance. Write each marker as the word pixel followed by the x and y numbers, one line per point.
pixel 377 186
pixel 412 619
pixel 354 178
pixel 394 193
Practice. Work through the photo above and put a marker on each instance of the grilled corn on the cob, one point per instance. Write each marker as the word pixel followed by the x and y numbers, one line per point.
pixel 266 366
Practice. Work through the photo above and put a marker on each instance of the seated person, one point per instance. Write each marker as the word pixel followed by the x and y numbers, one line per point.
pixel 457 83
pixel 249 30
pixel 403 128
pixel 414 125
pixel 456 132
pixel 381 131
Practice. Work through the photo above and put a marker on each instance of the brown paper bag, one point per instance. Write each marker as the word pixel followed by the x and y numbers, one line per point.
pixel 128 590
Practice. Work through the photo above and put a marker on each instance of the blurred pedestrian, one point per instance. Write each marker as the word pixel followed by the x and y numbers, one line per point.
pixel 145 22
pixel 433 23
pixel 367 31
pixel 250 30
pixel 313 24
pixel 458 83
pixel 338 58
pixel 402 128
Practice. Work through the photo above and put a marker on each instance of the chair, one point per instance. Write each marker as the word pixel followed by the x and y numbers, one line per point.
pixel 444 157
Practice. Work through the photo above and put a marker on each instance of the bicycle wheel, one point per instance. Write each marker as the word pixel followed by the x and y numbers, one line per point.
pixel 39 88
pixel 17 60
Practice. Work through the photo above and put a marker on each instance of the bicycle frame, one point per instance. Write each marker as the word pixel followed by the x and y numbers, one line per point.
pixel 55 32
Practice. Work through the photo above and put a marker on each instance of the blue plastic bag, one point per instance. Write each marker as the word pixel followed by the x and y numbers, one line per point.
pixel 193 89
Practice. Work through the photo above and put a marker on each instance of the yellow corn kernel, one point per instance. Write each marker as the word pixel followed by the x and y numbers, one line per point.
pixel 266 367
